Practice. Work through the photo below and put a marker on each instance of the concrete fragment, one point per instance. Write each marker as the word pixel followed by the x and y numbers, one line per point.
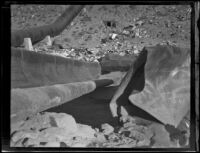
pixel 166 95
pixel 66 121
pixel 28 44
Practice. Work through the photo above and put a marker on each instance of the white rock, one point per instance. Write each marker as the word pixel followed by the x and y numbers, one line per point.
pixel 24 134
pixel 113 36
pixel 122 54
pixel 28 44
pixel 123 111
pixel 136 51
pixel 85 131
pixel 107 129
pixel 65 121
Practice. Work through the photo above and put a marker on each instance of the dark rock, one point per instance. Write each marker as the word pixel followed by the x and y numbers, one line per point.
pixel 66 121
pixel 111 24
pixel 103 41
pixel 43 143
pixel 53 122
pixel 63 144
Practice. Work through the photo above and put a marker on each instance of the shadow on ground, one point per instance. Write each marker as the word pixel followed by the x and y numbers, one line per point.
pixel 93 109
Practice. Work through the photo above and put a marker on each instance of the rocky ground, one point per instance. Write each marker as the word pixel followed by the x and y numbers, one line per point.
pixel 100 29
pixel 50 129
pixel 96 31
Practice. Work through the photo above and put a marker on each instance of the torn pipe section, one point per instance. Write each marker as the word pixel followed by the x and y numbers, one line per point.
pixel 29 101
pixel 31 69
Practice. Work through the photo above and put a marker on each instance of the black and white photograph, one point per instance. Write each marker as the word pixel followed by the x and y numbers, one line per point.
pixel 104 76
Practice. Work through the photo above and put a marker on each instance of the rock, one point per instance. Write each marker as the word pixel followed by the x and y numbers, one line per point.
pixel 113 137
pixel 123 111
pixel 24 134
pixel 66 121
pixel 177 134
pixel 100 137
pixel 113 36
pixel 55 133
pixel 145 142
pixel 111 24
pixel 63 145
pixel 161 138
pixel 115 76
pixel 96 129
pixel 107 129
pixel 85 131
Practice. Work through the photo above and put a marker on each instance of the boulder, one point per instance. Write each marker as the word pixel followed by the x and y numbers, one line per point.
pixel 66 121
